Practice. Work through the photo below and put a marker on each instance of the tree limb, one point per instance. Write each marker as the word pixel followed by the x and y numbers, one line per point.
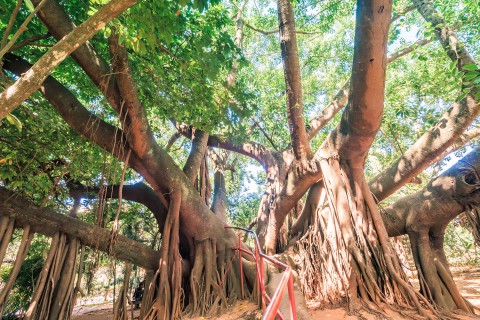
pixel 138 192
pixel 6 47
pixel 441 200
pixel 48 222
pixel 341 98
pixel 132 115
pixel 445 34
pixel 400 14
pixel 362 118
pixel 293 81
pixel 197 153
pixel 446 131
pixel 9 27
pixel 75 114
pixel 59 24
pixel 251 149
pixel 270 32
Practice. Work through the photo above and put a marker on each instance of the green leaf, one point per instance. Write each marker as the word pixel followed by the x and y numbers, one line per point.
pixel 14 121
pixel 471 75
pixel 29 5
pixel 470 67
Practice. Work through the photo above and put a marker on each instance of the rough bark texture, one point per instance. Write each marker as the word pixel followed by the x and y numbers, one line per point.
pixel 203 230
pixel 197 155
pixel 358 259
pixel 138 192
pixel 48 222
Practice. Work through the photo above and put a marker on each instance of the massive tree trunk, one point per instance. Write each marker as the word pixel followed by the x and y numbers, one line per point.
pixel 204 230
pixel 359 261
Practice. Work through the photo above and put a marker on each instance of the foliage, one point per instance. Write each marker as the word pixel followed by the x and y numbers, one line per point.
pixel 460 245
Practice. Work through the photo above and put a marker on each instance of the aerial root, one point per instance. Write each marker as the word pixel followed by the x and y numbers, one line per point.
pixel 165 291
pixel 346 252
pixel 120 311
pixel 21 255
pixel 55 291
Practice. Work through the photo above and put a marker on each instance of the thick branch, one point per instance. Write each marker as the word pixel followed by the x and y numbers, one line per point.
pixel 132 114
pixel 48 222
pixel 139 193
pixel 425 150
pixel 435 141
pixel 238 42
pixel 362 118
pixel 75 114
pixel 158 169
pixel 340 100
pixel 197 153
pixel 293 81
pixel 441 200
pixel 329 111
pixel 445 35
pixel 33 78
pixel 251 149
pixel 219 204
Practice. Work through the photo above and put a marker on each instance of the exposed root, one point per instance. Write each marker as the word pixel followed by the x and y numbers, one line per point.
pixel 54 293
pixel 346 253
pixel 436 281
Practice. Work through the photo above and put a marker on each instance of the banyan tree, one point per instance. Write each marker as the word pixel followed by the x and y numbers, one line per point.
pixel 346 111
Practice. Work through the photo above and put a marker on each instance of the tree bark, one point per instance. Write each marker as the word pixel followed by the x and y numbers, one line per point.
pixel 59 25
pixel 293 81
pixel 450 127
pixel 197 154
pixel 139 193
pixel 48 222
pixel 424 216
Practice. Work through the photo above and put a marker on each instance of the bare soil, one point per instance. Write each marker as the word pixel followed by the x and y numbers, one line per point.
pixel 467 280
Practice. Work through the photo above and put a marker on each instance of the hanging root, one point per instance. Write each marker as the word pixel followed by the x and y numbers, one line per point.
pixel 346 252
pixel 214 280
pixel 54 293
pixel 472 213
pixel 21 255
pixel 166 295
pixel 120 311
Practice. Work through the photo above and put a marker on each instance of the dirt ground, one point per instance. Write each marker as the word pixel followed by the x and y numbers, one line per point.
pixel 467 280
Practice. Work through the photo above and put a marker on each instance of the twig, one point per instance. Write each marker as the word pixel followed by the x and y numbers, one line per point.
pixel 264 133
pixel 10 23
pixel 20 30
pixel 31 41
pixel 402 13
pixel 270 32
